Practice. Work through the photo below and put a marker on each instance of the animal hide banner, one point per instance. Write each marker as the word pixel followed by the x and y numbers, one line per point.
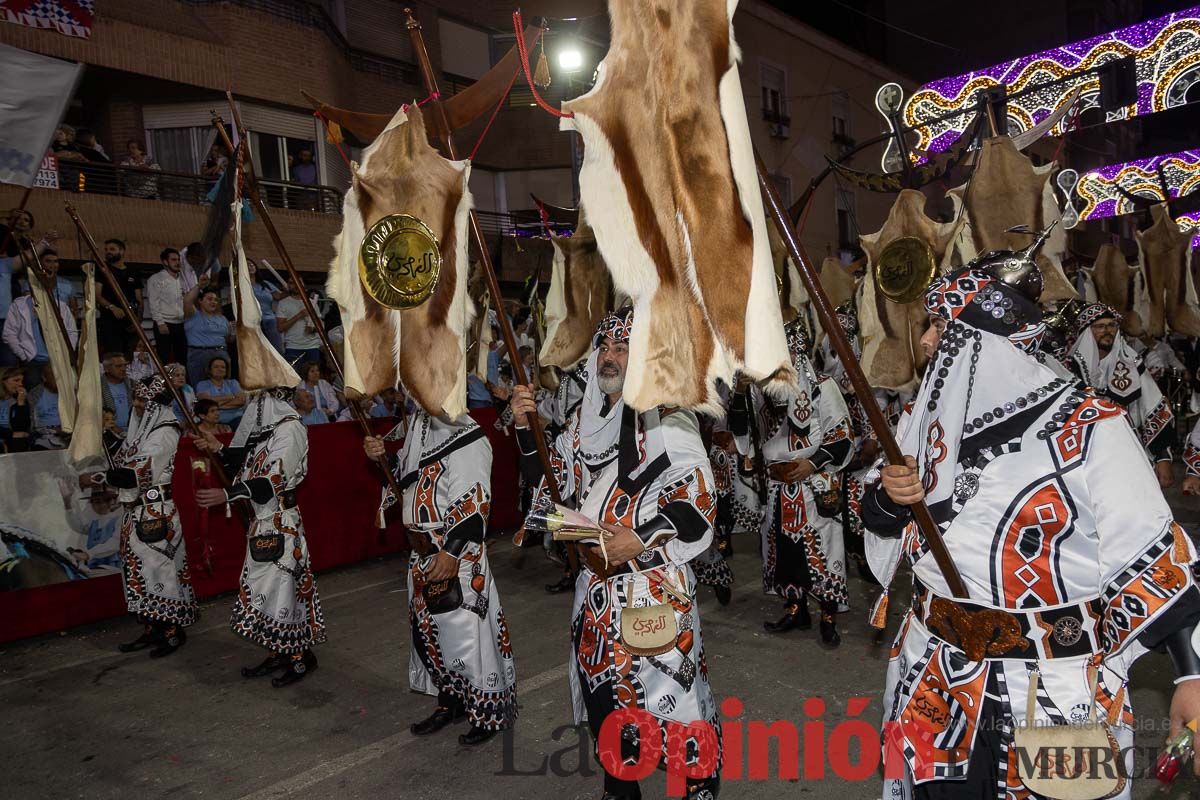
pixel 1120 286
pixel 423 347
pixel 793 296
pixel 87 437
pixel 891 333
pixel 58 348
pixel 1006 190
pixel 260 365
pixel 580 289
pixel 1165 253
pixel 479 337
pixel 670 186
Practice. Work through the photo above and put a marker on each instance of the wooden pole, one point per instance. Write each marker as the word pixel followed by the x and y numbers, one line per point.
pixel 837 337
pixel 485 259
pixel 313 317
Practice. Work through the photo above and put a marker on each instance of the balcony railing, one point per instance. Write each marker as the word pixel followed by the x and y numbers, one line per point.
pixel 180 187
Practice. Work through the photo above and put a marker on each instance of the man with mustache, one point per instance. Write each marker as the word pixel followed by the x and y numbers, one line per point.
pixel 646 479
pixel 1104 360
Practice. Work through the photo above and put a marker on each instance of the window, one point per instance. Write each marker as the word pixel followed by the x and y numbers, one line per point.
pixel 841 117
pixel 180 149
pixel 277 158
pixel 774 93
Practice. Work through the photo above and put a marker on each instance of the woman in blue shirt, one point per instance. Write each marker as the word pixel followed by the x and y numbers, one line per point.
pixel 223 391
pixel 47 424
pixel 207 330
pixel 179 380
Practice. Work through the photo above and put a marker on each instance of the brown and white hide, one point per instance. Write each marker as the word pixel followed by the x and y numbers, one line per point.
pixel 670 187
pixel 1120 286
pixel 260 365
pixel 479 332
pixel 1165 252
pixel 1007 190
pixel 580 289
pixel 424 347
pixel 793 296
pixel 891 332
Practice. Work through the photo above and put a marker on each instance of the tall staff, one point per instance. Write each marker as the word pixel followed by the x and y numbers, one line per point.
pixel 862 389
pixel 485 258
pixel 251 189
pixel 102 265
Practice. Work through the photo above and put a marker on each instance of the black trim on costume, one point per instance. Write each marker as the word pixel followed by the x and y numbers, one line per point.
pixel 881 515
pixel 1182 615
pixel 121 478
pixel 1011 428
pixel 833 453
pixel 453 446
pixel 690 525
pixel 653 527
pixel 469 530
pixel 627 455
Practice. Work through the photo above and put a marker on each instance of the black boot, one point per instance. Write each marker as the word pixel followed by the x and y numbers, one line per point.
pixel 707 789
pixel 170 640
pixel 829 633
pixel 475 736
pixel 724 594
pixel 440 718
pixel 297 668
pixel 272 663
pixel 149 636
pixel 567 584
pixel 795 617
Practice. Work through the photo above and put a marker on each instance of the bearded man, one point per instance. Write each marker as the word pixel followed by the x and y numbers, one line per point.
pixel 1104 360
pixel 1072 562
pixel 646 479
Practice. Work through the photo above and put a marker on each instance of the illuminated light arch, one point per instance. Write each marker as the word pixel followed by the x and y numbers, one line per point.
pixel 1167 58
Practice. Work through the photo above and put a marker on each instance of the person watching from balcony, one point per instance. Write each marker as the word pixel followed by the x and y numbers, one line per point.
pixel 116 389
pixel 207 329
pixel 25 337
pixel 47 433
pixel 17 225
pixel 164 296
pixel 214 164
pixel 300 340
pixel 15 418
pixel 98 176
pixel 267 294
pixel 139 184
pixel 224 391
pixel 114 330
pixel 208 418
pixel 304 171
pixel 20 224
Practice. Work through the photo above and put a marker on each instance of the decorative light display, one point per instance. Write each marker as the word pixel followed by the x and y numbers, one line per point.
pixel 1167 58
pixel 1099 190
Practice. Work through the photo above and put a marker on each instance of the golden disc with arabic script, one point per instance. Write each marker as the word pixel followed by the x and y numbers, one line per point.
pixel 400 261
pixel 905 269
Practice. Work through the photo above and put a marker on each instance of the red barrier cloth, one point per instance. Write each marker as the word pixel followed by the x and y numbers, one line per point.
pixel 339 501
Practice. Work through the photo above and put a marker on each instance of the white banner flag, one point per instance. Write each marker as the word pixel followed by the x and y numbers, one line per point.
pixel 33 97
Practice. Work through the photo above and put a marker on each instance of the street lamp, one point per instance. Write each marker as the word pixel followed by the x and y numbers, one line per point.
pixel 570 59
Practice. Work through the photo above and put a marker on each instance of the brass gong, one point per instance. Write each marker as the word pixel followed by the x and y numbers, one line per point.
pixel 399 261
pixel 905 269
